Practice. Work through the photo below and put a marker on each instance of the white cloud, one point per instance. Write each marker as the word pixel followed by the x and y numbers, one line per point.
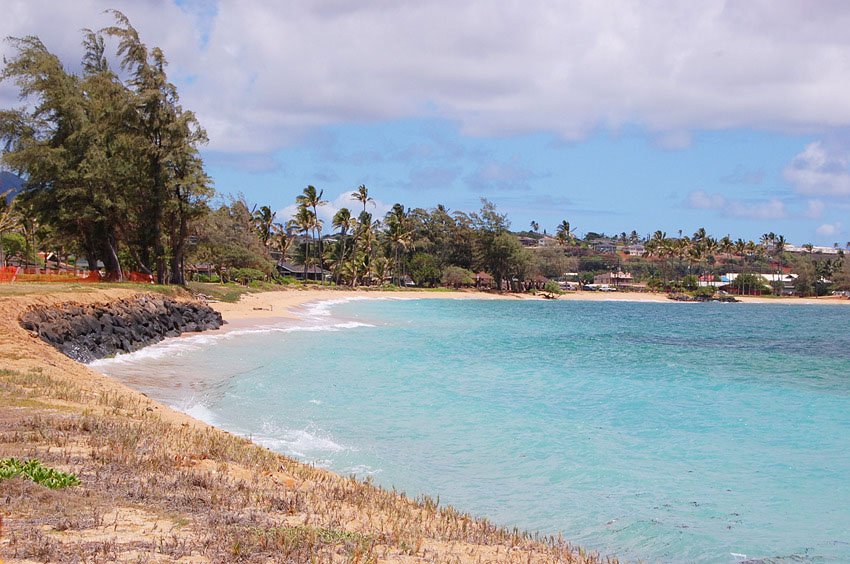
pixel 771 209
pixel 701 200
pixel 814 209
pixel 829 229
pixel 818 171
pixel 491 175
pixel 261 74
pixel 743 176
pixel 742 209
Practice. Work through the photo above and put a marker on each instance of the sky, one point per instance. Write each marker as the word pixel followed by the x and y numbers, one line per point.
pixel 616 116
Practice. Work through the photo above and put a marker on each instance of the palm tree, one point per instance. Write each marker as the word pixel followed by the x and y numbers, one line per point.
pixel 535 226
pixel 564 232
pixel 399 235
pixel 362 196
pixel 305 221
pixel 364 240
pixel 381 267
pixel 311 198
pixel 343 221
pixel 263 223
pixel 280 240
pixel 726 246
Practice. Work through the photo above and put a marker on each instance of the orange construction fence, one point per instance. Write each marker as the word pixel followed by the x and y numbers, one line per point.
pixel 8 273
pixel 17 274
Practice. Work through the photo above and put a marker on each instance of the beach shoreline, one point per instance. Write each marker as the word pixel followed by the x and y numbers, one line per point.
pixel 270 306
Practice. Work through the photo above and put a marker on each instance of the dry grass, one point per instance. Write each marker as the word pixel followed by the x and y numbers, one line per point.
pixel 160 487
pixel 40 288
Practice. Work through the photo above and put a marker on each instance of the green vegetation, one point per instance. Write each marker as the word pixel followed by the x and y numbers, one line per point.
pixel 112 174
pixel 110 160
pixel 33 469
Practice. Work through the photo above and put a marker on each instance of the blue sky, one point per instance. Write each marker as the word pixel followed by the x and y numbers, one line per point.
pixel 616 116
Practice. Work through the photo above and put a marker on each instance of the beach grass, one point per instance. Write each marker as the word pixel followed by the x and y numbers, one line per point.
pixel 37 288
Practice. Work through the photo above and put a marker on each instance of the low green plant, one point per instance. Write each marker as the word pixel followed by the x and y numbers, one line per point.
pixel 247 275
pixel 552 287
pixel 704 292
pixel 35 471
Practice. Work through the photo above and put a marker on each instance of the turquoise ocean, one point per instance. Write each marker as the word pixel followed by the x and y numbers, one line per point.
pixel 651 431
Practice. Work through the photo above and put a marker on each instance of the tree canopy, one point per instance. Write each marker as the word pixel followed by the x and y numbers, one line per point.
pixel 109 163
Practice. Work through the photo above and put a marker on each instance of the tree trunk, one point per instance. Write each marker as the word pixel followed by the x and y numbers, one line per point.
pixel 177 274
pixel 110 259
pixel 178 243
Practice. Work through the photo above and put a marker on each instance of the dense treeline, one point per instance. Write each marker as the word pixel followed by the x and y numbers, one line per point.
pixel 112 174
pixel 429 247
pixel 111 164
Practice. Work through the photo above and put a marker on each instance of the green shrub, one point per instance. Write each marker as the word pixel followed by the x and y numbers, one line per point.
pixel 552 287
pixel 33 469
pixel 690 282
pixel 247 275
pixel 704 292
pixel 456 277
pixel 655 284
pixel 749 284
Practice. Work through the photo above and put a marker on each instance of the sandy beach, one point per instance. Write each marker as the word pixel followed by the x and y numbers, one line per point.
pixel 265 306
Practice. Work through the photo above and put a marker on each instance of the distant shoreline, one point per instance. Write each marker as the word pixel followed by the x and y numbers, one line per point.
pixel 270 305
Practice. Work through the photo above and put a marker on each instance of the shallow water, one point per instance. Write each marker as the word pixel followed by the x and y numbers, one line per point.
pixel 654 431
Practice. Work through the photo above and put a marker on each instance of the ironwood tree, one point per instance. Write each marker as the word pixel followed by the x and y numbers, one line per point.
pixel 110 163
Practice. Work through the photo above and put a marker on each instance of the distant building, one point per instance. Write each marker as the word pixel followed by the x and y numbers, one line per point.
pixel 297 271
pixel 636 249
pixel 527 241
pixel 613 278
pixel 604 246
pixel 483 280
pixel 200 269
pixel 788 281
pixel 816 249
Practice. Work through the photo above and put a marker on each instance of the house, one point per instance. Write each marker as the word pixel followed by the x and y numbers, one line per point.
pixel 527 241
pixel 200 269
pixel 616 278
pixel 816 249
pixel 297 271
pixel 483 280
pixel 604 246
pixel 636 249
pixel 771 279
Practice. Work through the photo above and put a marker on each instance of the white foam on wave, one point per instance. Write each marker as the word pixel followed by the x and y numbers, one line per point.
pixel 323 308
pixel 177 346
pixel 200 412
pixel 304 443
pixel 361 470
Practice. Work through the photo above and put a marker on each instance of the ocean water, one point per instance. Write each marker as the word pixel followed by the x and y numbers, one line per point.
pixel 652 431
